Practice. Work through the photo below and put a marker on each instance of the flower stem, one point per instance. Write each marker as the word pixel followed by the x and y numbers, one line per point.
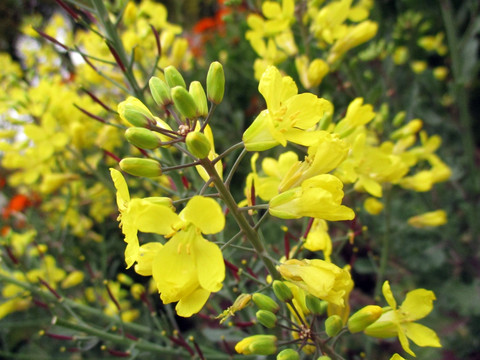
pixel 385 245
pixel 242 222
pixel 461 99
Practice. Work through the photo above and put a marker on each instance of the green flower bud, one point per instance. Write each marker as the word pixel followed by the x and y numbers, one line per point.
pixel 198 94
pixel 215 83
pixel 333 325
pixel 324 357
pixel 265 302
pixel 315 305
pixel 184 102
pixel 399 118
pixel 135 112
pixel 173 77
pixel 142 138
pixel 363 318
pixel 266 318
pixel 282 291
pixel 288 354
pixel 257 344
pixel 198 144
pixel 160 91
pixel 141 167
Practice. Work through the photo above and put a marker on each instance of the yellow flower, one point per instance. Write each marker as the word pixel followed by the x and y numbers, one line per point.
pixel 140 215
pixel 188 267
pixel 212 155
pixel 318 197
pixel 418 66
pixel 326 154
pixel 257 344
pixel 432 218
pixel 357 115
pixel 266 187
pixel 320 278
pixel 319 239
pixel 311 73
pixel 373 206
pixel 288 114
pixel 401 321
pixel 354 36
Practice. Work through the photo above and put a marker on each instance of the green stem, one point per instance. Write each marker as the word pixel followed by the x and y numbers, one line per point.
pixel 385 245
pixel 242 222
pixel 461 97
pixel 120 339
pixel 65 302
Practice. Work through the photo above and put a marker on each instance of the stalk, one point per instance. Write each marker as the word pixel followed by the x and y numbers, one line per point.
pixel 242 222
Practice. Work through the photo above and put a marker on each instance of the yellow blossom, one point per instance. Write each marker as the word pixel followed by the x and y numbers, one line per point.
pixel 318 239
pixel 288 114
pixel 318 197
pixel 373 206
pixel 188 267
pixel 401 321
pixel 320 278
pixel 325 155
pixel 311 73
pixel 356 35
pixel 429 219
pixel 140 215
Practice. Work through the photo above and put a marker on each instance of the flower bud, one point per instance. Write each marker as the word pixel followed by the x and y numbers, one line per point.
pixel 399 118
pixel 412 127
pixel 215 83
pixel 315 305
pixel 173 77
pixel 288 354
pixel 282 291
pixel 198 144
pixel 333 325
pixel 135 112
pixel 324 357
pixel 74 278
pixel 184 102
pixel 241 302
pixel 266 318
pixel 141 167
pixel 257 344
pixel 363 318
pixel 160 91
pixel 198 94
pixel 317 71
pixel 142 138
pixel 265 302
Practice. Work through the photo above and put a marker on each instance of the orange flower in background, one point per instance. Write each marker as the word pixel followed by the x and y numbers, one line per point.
pixel 207 28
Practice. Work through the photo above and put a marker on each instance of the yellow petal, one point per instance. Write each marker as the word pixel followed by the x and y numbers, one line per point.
pixel 404 341
pixel 418 304
pixel 205 213
pixel 146 255
pixel 152 218
pixel 276 89
pixel 387 293
pixel 121 186
pixel 258 137
pixel 193 303
pixel 174 270
pixel 210 265
pixel 422 335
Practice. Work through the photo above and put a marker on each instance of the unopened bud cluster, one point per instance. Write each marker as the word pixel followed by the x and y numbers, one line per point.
pixel 191 111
